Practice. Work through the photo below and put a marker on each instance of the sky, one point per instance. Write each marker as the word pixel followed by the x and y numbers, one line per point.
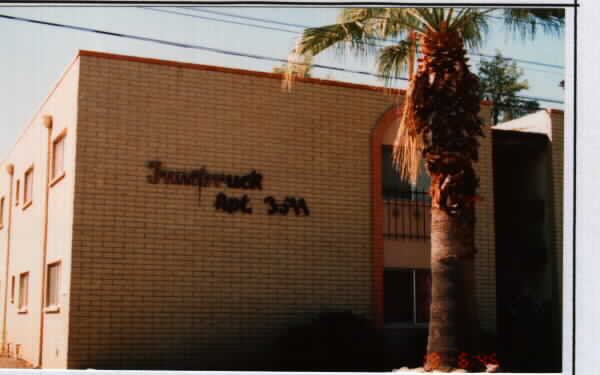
pixel 34 56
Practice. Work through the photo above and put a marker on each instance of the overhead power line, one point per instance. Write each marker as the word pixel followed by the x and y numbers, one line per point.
pixel 529 69
pixel 210 49
pixel 218 20
pixel 219 13
pixel 263 20
pixel 523 61
pixel 184 45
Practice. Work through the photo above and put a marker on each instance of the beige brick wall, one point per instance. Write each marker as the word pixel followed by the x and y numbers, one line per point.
pixel 557 141
pixel 161 280
pixel 485 237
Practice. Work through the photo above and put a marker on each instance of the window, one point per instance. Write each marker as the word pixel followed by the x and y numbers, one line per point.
pixel 58 155
pixel 53 286
pixel 28 188
pixel 23 291
pixel 17 193
pixel 12 290
pixel 407 295
pixel 396 187
pixel 1 212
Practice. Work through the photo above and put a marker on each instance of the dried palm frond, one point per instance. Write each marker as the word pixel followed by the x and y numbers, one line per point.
pixel 408 144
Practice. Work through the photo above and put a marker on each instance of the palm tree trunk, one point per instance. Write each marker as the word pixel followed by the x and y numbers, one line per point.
pixel 444 109
pixel 453 321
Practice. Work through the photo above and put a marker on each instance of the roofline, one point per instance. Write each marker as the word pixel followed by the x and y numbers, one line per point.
pixel 246 72
pixel 213 68
pixel 517 133
pixel 4 157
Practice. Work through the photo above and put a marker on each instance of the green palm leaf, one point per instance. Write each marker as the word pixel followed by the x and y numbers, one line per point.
pixel 393 60
pixel 527 22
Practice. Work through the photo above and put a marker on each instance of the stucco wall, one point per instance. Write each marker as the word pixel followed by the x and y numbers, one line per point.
pixel 27 232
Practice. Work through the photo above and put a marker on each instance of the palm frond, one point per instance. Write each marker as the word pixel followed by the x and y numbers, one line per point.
pixel 360 14
pixel 449 15
pixel 393 61
pixel 402 21
pixel 457 17
pixel 407 145
pixel 353 34
pixel 439 15
pixel 346 37
pixel 526 22
pixel 386 22
pixel 474 27
pixel 424 16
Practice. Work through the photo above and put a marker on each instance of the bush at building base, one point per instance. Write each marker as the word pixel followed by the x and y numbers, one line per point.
pixel 332 341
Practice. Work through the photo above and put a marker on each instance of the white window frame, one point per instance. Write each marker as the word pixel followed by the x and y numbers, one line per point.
pixel 413 322
pixel 28 188
pixel 23 292
pixel 54 307
pixel 57 176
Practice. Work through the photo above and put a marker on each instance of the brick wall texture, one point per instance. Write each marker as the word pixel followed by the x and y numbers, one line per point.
pixel 158 278
pixel 485 237
pixel 557 161
pixel 165 281
pixel 162 280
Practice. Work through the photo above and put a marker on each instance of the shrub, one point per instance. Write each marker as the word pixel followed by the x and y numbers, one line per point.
pixel 332 341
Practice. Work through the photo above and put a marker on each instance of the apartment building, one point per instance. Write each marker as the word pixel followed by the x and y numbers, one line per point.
pixel 165 215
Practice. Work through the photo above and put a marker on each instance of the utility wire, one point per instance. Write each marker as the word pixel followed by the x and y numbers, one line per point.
pixel 529 69
pixel 186 45
pixel 218 20
pixel 214 50
pixel 523 61
pixel 244 17
pixel 305 27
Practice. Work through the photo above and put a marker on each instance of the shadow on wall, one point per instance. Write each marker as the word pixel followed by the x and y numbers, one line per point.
pixel 329 341
pixel 332 341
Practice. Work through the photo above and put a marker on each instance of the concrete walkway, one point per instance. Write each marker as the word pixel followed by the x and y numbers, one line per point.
pixel 6 362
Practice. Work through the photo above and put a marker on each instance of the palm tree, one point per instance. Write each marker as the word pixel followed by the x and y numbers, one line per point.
pixel 439 124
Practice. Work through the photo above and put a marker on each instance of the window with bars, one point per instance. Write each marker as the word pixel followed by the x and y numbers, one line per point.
pixel 23 290
pixel 58 154
pixel 53 285
pixel 407 296
pixel 28 188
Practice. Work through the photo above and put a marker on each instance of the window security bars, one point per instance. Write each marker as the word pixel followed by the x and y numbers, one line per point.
pixel 407 215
